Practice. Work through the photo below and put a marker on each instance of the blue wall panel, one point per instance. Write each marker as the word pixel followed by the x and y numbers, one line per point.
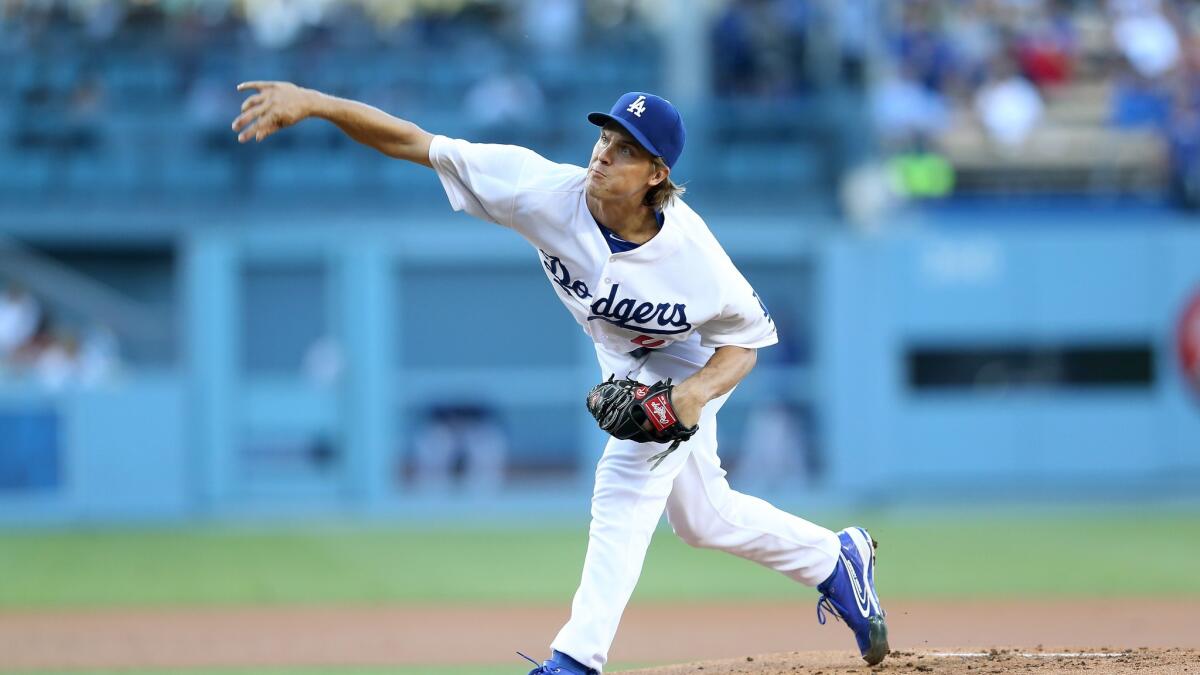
pixel 129 450
pixel 1045 287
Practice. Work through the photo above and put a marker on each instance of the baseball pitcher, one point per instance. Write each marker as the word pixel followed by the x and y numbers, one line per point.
pixel 675 325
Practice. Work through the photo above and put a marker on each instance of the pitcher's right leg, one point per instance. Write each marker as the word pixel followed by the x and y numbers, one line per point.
pixel 627 504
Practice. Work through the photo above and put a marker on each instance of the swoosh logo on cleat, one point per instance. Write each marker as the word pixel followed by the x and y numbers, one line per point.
pixel 861 597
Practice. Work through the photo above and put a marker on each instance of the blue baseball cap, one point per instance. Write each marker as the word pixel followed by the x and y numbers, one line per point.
pixel 652 120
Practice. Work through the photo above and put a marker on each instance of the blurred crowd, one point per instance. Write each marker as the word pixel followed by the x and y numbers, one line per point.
pixel 193 51
pixel 35 347
pixel 1004 61
pixel 758 48
pixel 90 77
pixel 781 48
pixel 277 24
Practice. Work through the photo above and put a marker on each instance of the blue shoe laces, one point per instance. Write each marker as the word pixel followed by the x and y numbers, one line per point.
pixel 825 604
pixel 540 669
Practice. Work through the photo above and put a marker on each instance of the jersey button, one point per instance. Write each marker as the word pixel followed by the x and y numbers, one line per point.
pixel 607 280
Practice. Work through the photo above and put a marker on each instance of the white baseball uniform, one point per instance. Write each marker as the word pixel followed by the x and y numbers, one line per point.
pixel 672 301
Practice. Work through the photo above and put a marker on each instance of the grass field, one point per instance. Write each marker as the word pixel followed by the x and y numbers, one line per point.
pixel 1097 555
pixel 1101 554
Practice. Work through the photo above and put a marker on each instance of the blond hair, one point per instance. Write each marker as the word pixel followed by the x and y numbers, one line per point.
pixel 662 195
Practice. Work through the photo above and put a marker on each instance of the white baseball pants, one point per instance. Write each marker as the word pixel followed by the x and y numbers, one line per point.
pixel 629 498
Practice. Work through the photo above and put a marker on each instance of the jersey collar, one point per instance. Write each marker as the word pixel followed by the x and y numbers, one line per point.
pixel 659 246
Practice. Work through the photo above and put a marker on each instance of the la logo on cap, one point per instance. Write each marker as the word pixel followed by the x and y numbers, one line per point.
pixel 638 107
pixel 651 120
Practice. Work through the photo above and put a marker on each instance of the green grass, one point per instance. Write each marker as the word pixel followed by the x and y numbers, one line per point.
pixel 1101 555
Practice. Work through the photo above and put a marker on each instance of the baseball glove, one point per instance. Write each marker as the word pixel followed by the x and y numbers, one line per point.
pixel 630 410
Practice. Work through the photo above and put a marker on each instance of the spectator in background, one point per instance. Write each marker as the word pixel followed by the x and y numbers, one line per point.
pixel 759 48
pixel 922 48
pixel 57 363
pixel 907 114
pixel 1152 53
pixel 464 439
pixel 1046 51
pixel 859 34
pixel 777 450
pixel 98 356
pixel 278 23
pixel 323 363
pixel 1139 101
pixel 1144 36
pixel 25 357
pixel 1008 105
pixel 733 52
pixel 552 26
pixel 31 346
pixel 908 118
pixel 20 316
pixel 973 39
pixel 505 102
pixel 1184 144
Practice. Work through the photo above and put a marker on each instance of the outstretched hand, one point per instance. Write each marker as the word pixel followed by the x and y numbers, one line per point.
pixel 275 106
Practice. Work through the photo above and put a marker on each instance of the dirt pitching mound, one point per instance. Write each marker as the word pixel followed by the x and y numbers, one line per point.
pixel 1040 661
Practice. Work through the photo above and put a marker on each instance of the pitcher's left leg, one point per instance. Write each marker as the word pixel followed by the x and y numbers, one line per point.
pixel 706 512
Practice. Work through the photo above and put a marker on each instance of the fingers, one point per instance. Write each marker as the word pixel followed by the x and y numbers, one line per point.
pixel 253 107
pixel 257 132
pixel 245 118
pixel 256 120
pixel 262 127
pixel 263 130
pixel 245 134
pixel 253 100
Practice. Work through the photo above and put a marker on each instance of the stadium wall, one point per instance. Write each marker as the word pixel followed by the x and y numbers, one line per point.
pixel 928 364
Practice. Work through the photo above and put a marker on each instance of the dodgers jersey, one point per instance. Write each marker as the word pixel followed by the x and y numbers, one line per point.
pixel 678 293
